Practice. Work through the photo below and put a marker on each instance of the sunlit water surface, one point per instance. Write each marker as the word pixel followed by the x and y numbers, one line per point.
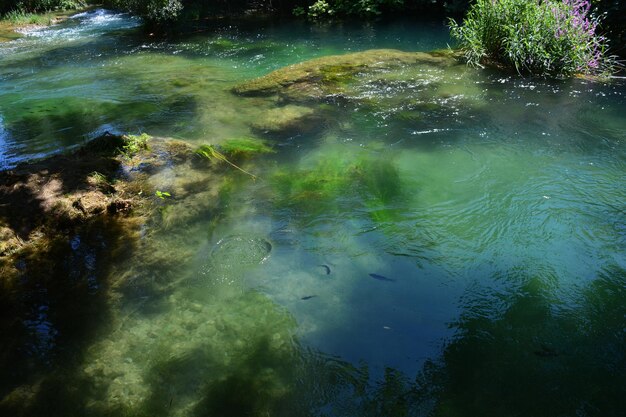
pixel 453 245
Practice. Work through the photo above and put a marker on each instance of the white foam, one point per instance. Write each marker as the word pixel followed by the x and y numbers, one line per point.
pixel 86 24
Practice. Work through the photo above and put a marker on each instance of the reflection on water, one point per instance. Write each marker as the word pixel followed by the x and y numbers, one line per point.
pixel 439 241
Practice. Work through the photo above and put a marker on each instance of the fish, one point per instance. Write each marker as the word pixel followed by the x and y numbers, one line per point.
pixel 382 278
pixel 326 268
pixel 308 297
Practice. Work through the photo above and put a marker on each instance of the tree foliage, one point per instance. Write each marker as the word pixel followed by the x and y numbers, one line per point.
pixel 33 6
pixel 165 12
pixel 156 11
pixel 170 10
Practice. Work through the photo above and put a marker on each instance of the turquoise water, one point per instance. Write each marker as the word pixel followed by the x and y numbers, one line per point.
pixel 448 243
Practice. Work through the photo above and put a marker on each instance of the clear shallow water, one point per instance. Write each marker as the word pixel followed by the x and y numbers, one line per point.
pixel 493 206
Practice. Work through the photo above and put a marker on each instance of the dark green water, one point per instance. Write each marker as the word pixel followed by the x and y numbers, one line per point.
pixel 490 209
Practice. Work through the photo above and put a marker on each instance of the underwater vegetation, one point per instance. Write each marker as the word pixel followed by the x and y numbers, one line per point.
pixel 245 147
pixel 211 153
pixel 320 78
pixel 326 183
pixel 380 86
pixel 134 144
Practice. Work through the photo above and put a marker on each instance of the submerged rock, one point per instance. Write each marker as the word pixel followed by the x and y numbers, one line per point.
pixel 43 203
pixel 288 119
pixel 322 77
pixel 380 84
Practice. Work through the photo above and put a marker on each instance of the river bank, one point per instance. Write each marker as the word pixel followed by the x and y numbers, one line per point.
pixel 12 28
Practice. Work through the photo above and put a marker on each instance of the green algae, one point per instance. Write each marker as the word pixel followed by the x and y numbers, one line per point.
pixel 379 85
pixel 321 77
pixel 324 184
pixel 312 188
pixel 7 35
pixel 245 147
pixel 211 153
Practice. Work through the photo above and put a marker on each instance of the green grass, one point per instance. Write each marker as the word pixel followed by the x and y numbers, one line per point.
pixel 19 18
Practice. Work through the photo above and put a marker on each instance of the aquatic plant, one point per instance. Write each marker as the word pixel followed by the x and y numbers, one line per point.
pixel 99 177
pixel 381 179
pixel 135 143
pixel 245 147
pixel 337 181
pixel 313 186
pixel 209 152
pixel 538 37
pixel 162 194
pixel 327 76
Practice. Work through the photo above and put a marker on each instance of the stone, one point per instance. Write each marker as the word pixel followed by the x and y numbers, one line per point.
pixel 290 119
pixel 322 77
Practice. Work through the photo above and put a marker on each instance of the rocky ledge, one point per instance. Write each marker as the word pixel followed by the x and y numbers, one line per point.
pixel 109 187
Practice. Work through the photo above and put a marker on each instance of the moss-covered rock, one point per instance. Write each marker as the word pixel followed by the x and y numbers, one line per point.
pixel 287 120
pixel 54 198
pixel 321 77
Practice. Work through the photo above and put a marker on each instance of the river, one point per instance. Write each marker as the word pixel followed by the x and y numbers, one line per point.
pixel 453 244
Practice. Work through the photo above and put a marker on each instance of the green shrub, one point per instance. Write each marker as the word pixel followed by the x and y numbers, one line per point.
pixel 325 9
pixel 320 8
pixel 20 17
pixel 21 11
pixel 550 37
pixel 154 11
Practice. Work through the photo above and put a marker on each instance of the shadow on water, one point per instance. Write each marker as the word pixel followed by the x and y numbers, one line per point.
pixel 28 192
pixel 520 353
pixel 54 308
pixel 53 292
pixel 516 352
pixel 277 382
